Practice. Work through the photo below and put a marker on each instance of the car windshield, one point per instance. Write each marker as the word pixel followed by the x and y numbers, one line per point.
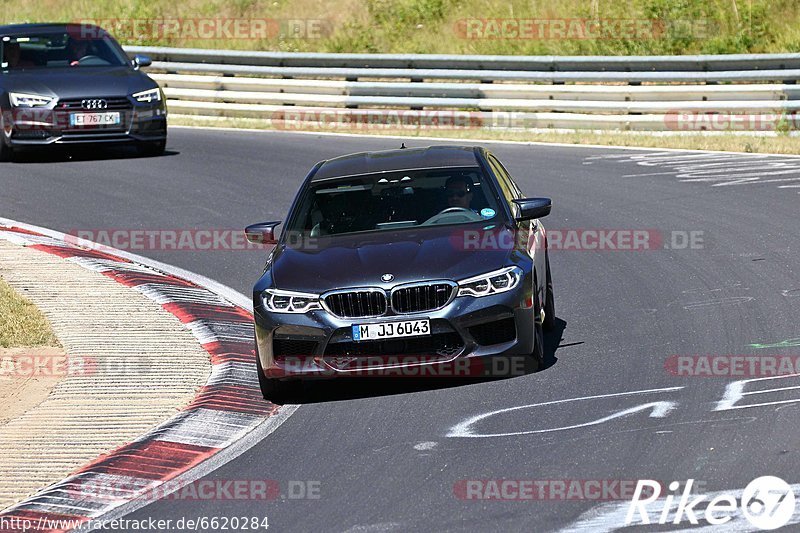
pixel 60 50
pixel 394 200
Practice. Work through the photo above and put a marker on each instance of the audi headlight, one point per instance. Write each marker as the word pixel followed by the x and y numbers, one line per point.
pixel 494 282
pixel 278 301
pixel 29 100
pixel 148 96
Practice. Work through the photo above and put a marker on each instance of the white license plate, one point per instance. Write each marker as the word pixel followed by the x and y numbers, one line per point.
pixel 389 330
pixel 94 119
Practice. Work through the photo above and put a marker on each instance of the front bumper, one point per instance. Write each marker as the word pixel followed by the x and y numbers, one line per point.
pixel 464 334
pixel 42 127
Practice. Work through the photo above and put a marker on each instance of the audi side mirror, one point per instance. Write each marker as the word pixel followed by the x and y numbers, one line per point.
pixel 140 61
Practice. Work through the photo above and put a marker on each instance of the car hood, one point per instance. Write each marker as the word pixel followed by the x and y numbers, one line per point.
pixel 330 263
pixel 87 82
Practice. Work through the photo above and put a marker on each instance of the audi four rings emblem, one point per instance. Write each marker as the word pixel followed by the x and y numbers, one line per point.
pixel 94 104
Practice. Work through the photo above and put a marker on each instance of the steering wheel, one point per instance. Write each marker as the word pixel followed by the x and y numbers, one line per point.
pixel 92 60
pixel 453 212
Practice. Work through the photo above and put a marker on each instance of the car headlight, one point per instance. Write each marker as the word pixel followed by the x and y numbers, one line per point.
pixel 148 96
pixel 29 100
pixel 493 282
pixel 278 301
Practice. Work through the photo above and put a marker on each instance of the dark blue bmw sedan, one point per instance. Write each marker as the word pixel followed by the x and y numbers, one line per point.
pixel 402 262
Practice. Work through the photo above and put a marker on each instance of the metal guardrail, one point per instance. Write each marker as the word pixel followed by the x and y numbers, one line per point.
pixel 539 91
pixel 485 75
pixel 687 63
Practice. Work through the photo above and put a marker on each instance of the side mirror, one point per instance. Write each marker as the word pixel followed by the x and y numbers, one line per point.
pixel 140 61
pixel 263 233
pixel 530 208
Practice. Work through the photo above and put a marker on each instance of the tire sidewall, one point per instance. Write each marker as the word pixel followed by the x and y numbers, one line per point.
pixel 550 303
pixel 6 152
pixel 538 332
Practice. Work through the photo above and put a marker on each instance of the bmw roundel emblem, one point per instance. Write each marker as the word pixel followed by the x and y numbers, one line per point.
pixel 387 278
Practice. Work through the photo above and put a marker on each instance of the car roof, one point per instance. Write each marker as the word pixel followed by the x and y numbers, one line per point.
pixel 400 159
pixel 46 27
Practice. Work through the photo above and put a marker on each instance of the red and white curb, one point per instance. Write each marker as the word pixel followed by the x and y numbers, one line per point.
pixel 227 416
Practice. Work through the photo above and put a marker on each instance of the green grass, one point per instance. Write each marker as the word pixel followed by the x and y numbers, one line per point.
pixel 21 323
pixel 433 26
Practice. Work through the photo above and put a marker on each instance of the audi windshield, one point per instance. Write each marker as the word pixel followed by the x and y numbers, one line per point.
pixel 61 50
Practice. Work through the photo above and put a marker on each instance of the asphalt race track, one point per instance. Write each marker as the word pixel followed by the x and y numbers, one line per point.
pixel 392 456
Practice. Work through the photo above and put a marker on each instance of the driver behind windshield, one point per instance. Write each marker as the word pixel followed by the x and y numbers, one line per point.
pixel 393 200
pixel 13 56
pixel 77 49
pixel 458 190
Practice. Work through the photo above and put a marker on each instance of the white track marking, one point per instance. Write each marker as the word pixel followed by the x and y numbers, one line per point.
pixel 715 169
pixel 233 373
pixel 208 331
pixel 721 301
pixel 734 392
pixel 191 428
pixel 657 409
pixel 164 293
pixel 648 174
pixel 106 265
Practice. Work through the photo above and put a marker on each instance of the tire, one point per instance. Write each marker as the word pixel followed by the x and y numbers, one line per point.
pixel 6 152
pixel 275 390
pixel 152 149
pixel 279 392
pixel 538 333
pixel 550 302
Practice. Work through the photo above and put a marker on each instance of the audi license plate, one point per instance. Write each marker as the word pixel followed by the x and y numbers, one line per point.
pixel 94 119
pixel 389 330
